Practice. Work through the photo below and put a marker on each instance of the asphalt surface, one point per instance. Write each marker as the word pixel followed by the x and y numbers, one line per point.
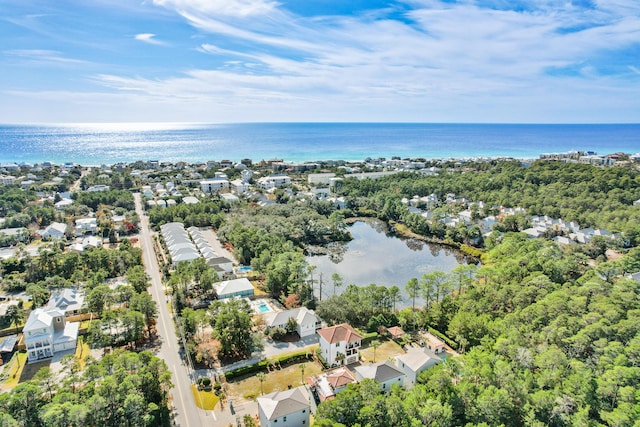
pixel 187 414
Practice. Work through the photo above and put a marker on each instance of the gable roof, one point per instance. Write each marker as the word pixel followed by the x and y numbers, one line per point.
pixel 281 403
pixel 302 315
pixel 380 372
pixel 41 318
pixel 416 358
pixel 66 300
pixel 232 286
pixel 338 333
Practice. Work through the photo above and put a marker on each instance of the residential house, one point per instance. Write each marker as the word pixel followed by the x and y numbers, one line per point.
pixel 340 340
pixel 240 186
pixel 55 230
pixel 234 288
pixel 7 179
pixel 97 188
pixel 306 320
pixel 328 384
pixel 86 226
pixel 47 332
pixel 415 361
pixel 384 373
pixel 434 343
pixel 68 301
pixel 289 408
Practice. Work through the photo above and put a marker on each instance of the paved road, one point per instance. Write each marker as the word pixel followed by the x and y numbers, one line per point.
pixel 187 413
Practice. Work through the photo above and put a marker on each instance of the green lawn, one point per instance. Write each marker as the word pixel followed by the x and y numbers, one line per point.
pixel 388 349
pixel 14 370
pixel 204 399
pixel 280 379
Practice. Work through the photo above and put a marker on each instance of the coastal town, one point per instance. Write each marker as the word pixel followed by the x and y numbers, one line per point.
pixel 161 258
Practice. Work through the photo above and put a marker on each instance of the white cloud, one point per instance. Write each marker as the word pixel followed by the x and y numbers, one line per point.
pixel 42 56
pixel 234 8
pixel 148 38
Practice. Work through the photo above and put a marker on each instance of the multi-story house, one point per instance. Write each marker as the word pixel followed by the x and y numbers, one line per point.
pixel 340 344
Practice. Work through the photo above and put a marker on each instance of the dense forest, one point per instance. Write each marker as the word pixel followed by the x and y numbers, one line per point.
pixel 591 196
pixel 121 389
pixel 549 334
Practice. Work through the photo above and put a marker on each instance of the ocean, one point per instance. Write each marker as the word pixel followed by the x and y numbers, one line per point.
pixel 109 143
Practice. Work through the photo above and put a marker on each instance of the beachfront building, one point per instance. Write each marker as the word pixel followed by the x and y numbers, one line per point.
pixel 46 332
pixel 307 321
pixel 383 373
pixel 289 408
pixel 415 361
pixel 340 344
pixel 234 288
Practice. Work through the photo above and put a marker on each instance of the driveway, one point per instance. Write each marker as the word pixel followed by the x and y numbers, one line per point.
pixel 276 348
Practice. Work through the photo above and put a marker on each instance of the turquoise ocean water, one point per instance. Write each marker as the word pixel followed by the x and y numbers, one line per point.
pixel 94 144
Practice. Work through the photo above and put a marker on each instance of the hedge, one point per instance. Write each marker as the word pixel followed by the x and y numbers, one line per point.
pixel 285 359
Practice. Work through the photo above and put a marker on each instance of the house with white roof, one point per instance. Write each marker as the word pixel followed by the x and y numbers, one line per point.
pixel 307 320
pixel 328 384
pixel 384 373
pixel 415 361
pixel 55 230
pixel 47 332
pixel 213 185
pixel 234 288
pixel 68 301
pixel 86 226
pixel 273 181
pixel 289 408
pixel 340 339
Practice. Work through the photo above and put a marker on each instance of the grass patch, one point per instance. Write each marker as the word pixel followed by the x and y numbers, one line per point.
pixel 82 352
pixel 387 349
pixel 14 370
pixel 204 399
pixel 278 380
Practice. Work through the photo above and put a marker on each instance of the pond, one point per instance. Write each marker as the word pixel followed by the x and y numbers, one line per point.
pixel 375 256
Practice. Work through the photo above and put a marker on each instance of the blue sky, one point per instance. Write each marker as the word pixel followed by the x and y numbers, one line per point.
pixel 522 61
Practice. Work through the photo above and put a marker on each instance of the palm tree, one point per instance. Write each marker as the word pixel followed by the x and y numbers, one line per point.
pixel 375 344
pixel 261 377
pixel 303 366
pixel 340 357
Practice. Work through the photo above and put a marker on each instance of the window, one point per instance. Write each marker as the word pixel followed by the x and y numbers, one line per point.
pixel 284 419
pixel 304 410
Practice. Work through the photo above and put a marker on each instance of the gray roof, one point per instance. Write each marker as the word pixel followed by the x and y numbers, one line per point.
pixel 281 403
pixel 282 317
pixel 380 372
pixel 232 286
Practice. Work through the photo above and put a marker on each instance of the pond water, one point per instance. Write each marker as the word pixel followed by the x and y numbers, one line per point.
pixel 374 256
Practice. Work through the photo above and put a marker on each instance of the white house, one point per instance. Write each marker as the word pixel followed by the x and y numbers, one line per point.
pixel 289 408
pixel 384 373
pixel 47 332
pixel 413 362
pixel 340 339
pixel 234 288
pixel 7 179
pixel 213 185
pixel 86 225
pixel 307 320
pixel 273 181
pixel 240 186
pixel 320 178
pixel 55 230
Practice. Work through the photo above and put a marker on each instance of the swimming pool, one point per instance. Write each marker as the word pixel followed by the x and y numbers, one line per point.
pixel 263 307
pixel 244 269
